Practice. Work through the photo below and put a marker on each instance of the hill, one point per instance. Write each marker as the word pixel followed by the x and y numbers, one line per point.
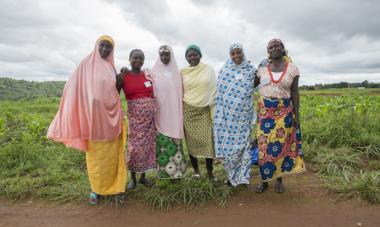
pixel 11 89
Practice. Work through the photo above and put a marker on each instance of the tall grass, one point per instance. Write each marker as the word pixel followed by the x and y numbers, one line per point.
pixel 341 141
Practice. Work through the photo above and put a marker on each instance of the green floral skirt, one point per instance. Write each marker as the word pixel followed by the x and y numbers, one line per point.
pixel 170 159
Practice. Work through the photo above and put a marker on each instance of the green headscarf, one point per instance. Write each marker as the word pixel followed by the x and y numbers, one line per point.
pixel 193 47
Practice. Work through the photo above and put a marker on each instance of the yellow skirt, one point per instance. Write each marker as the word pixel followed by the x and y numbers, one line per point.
pixel 106 167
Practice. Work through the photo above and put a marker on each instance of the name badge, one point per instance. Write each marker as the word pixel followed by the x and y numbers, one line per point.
pixel 239 76
pixel 147 84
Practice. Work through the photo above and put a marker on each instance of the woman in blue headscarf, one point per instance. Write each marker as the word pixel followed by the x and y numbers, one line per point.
pixel 235 116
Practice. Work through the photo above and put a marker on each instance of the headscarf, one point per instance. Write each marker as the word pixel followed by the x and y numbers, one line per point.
pixel 193 47
pixel 90 108
pixel 231 68
pixel 234 92
pixel 167 85
pixel 286 57
pixel 199 85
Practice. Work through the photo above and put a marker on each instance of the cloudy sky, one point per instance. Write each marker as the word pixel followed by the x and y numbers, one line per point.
pixel 329 40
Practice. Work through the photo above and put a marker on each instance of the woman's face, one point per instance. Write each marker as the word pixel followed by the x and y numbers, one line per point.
pixel 237 55
pixel 193 57
pixel 275 49
pixel 137 59
pixel 165 57
pixel 105 48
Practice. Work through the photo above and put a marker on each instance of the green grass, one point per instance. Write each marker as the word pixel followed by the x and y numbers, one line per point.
pixel 341 140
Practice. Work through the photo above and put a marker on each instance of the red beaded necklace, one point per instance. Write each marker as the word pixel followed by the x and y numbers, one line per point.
pixel 282 75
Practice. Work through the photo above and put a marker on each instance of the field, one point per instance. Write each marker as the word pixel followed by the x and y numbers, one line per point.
pixel 341 141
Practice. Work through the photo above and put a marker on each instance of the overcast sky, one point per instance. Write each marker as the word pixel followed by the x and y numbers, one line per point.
pixel 329 40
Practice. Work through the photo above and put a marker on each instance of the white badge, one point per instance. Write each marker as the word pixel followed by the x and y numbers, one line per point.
pixel 147 84
pixel 239 76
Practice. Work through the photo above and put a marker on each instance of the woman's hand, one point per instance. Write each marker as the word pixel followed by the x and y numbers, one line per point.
pixel 124 70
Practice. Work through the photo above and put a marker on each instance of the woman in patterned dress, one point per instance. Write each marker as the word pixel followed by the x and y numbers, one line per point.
pixel 199 88
pixel 138 91
pixel 235 116
pixel 278 131
pixel 167 85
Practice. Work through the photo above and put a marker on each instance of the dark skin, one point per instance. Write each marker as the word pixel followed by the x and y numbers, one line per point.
pixel 275 49
pixel 237 56
pixel 105 48
pixel 193 57
pixel 136 60
pixel 165 57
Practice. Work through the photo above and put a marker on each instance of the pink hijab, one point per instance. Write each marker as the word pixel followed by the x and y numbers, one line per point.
pixel 90 107
pixel 167 85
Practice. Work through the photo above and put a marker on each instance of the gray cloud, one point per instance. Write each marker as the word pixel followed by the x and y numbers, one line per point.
pixel 328 40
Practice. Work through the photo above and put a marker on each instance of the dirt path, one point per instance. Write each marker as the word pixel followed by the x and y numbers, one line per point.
pixel 307 206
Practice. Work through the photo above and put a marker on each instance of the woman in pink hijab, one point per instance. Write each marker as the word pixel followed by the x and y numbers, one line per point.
pixel 167 84
pixel 90 119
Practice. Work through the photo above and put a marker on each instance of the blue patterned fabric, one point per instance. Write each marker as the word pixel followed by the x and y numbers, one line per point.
pixel 234 117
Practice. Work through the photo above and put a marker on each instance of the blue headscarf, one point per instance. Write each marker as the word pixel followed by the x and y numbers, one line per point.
pixel 245 68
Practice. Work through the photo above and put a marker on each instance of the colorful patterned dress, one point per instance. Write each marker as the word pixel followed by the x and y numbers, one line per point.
pixel 168 92
pixel 279 142
pixel 199 88
pixel 234 119
pixel 142 132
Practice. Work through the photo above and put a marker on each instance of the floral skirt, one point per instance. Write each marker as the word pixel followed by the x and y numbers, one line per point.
pixel 279 142
pixel 170 159
pixel 141 135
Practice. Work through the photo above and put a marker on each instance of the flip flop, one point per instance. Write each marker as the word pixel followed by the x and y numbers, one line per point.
pixel 146 182
pixel 196 175
pixel 131 185
pixel 93 198
pixel 261 188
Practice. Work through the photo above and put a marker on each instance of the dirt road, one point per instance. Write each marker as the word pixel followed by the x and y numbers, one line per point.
pixel 303 204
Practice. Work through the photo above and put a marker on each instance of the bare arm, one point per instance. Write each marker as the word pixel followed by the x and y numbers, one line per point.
pixel 295 100
pixel 257 81
pixel 119 81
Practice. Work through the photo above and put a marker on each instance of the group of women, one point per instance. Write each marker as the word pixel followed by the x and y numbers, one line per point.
pixel 213 115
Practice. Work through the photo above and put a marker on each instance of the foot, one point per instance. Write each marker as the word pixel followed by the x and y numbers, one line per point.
pixel 211 177
pixel 228 183
pixel 197 174
pixel 279 187
pixel 120 197
pixel 261 187
pixel 93 198
pixel 146 182
pixel 132 185
pixel 173 181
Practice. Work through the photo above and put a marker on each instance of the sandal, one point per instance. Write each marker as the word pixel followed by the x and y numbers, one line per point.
pixel 120 198
pixel 261 187
pixel 279 187
pixel 228 183
pixel 132 185
pixel 146 182
pixel 196 175
pixel 213 179
pixel 93 198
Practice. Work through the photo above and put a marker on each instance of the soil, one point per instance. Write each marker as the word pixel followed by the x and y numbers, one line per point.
pixel 305 203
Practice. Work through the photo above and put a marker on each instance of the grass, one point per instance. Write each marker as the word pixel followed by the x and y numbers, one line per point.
pixel 341 141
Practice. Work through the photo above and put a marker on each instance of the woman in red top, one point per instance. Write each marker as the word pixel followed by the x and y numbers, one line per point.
pixel 138 91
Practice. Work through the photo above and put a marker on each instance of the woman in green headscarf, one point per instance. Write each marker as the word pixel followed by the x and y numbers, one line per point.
pixel 199 91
